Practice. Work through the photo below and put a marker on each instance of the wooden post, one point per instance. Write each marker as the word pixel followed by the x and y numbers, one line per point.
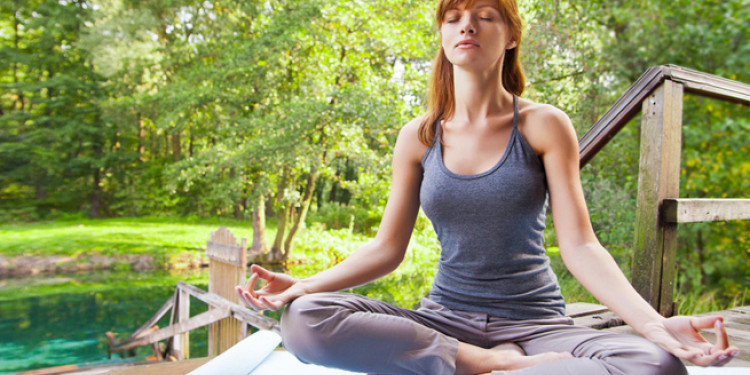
pixel 659 179
pixel 228 261
pixel 181 342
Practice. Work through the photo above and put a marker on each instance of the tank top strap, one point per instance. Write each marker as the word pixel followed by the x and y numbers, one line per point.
pixel 515 112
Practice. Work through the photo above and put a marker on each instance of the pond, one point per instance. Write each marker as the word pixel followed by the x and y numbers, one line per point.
pixel 54 320
pixel 57 320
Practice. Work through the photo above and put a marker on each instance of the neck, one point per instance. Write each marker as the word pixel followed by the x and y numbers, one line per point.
pixel 479 95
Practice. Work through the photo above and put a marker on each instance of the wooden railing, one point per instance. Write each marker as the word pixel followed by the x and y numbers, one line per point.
pixel 227 320
pixel 181 323
pixel 658 94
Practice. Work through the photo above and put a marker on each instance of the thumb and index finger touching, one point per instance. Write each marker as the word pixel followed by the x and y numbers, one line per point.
pixel 697 349
pixel 716 323
pixel 259 299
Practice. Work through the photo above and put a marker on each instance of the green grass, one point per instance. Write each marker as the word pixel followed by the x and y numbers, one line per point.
pixel 315 249
pixel 97 282
pixel 112 237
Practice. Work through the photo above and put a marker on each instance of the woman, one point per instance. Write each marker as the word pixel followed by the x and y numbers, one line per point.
pixel 482 163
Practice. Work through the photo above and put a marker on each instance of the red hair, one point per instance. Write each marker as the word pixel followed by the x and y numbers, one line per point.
pixel 441 102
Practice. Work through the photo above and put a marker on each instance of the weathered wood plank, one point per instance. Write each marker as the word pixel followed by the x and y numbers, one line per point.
pixel 629 104
pixel 181 342
pixel 624 109
pixel 199 320
pixel 577 309
pixel 701 210
pixel 154 319
pixel 737 321
pixel 658 179
pixel 225 253
pixel 240 312
pixel 710 85
pixel 226 270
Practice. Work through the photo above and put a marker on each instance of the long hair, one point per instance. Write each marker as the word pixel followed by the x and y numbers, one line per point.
pixel 441 103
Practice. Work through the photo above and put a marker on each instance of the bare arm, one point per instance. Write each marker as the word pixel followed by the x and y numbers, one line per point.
pixel 372 261
pixel 552 136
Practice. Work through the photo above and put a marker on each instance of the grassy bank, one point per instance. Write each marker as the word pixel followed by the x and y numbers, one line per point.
pixel 112 237
pixel 168 238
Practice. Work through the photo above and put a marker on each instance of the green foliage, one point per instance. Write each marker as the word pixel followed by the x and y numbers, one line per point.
pixel 354 218
pixel 715 165
pixel 200 108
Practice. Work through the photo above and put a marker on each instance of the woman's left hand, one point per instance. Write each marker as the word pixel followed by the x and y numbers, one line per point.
pixel 680 336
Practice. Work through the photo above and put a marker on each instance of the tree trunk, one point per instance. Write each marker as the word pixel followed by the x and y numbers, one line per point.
pixel 259 227
pixel 277 253
pixel 282 214
pixel 141 137
pixel 237 206
pixel 306 200
pixel 20 100
pixel 96 194
pixel 41 186
pixel 176 146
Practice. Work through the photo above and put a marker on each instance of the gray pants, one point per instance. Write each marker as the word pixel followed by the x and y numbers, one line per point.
pixel 361 334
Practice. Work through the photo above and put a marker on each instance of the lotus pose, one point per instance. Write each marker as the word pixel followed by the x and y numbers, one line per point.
pixel 484 165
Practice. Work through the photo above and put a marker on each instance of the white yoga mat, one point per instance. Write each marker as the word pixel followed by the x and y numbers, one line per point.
pixel 256 355
pixel 693 370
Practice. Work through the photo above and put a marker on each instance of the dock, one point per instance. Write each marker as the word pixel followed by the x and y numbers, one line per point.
pixel 737 322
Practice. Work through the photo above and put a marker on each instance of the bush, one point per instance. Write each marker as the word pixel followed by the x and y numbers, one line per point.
pixel 354 218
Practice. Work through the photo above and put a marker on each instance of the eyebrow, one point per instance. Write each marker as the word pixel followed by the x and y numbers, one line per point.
pixel 478 8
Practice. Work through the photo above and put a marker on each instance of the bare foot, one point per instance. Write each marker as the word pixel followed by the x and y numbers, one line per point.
pixel 512 357
pixel 508 356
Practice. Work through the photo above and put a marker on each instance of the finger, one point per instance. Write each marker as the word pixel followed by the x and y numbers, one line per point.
pixel 272 305
pixel 262 272
pixel 685 353
pixel 726 357
pixel 247 298
pixel 714 359
pixel 723 360
pixel 252 302
pixel 705 322
pixel 704 360
pixel 722 339
pixel 244 299
pixel 251 281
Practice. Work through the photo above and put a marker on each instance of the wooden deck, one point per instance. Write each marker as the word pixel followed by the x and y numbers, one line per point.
pixel 737 321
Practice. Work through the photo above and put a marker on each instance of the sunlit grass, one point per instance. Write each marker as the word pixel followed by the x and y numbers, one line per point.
pixel 155 236
pixel 315 249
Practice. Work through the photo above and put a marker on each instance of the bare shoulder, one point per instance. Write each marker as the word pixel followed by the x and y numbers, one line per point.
pixel 408 145
pixel 545 126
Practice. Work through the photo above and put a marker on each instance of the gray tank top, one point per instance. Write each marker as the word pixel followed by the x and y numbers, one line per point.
pixel 490 227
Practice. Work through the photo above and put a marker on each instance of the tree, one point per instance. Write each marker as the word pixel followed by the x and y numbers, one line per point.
pixel 53 140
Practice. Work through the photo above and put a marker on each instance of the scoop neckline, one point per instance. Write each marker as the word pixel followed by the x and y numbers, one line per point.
pixel 497 165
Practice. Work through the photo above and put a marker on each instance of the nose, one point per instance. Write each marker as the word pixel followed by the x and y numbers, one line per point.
pixel 468 25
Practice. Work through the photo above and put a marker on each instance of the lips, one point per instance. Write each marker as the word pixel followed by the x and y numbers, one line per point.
pixel 467 43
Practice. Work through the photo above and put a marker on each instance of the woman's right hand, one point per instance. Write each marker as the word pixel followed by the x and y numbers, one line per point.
pixel 279 290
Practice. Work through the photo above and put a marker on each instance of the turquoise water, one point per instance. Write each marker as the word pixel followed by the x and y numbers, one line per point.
pixel 60 320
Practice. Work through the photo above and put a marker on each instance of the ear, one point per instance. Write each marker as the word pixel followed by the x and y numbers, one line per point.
pixel 512 44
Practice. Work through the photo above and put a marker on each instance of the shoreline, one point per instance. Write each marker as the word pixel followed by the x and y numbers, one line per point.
pixel 16 266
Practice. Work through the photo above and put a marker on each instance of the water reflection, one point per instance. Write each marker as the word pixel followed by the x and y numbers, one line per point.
pixel 52 321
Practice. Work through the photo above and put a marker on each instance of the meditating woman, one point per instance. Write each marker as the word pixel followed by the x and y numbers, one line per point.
pixel 483 164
